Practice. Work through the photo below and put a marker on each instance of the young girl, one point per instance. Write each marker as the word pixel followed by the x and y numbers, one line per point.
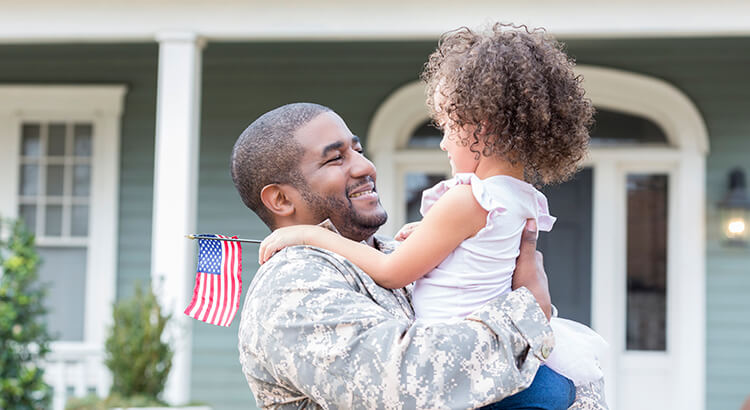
pixel 513 113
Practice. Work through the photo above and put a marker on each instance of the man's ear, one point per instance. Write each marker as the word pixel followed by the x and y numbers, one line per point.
pixel 277 199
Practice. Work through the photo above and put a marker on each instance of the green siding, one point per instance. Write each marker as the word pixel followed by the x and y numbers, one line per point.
pixel 243 80
pixel 713 73
pixel 135 66
pixel 240 82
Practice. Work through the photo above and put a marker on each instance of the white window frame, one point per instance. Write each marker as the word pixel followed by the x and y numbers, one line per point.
pixel 101 106
pixel 683 161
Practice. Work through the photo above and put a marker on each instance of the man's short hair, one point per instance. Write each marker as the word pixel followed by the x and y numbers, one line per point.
pixel 267 153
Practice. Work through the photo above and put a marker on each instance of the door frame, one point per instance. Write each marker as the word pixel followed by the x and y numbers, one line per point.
pixel 683 160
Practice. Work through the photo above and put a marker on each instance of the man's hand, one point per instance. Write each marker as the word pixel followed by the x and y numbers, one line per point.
pixel 288 236
pixel 529 271
pixel 406 230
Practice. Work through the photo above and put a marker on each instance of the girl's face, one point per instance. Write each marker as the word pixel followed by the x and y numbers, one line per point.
pixel 459 155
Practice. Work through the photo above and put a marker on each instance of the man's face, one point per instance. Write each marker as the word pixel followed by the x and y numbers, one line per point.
pixel 340 180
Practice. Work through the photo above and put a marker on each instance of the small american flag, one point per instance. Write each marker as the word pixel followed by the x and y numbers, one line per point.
pixel 218 283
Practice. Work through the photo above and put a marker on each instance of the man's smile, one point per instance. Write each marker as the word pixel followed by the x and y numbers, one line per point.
pixel 364 191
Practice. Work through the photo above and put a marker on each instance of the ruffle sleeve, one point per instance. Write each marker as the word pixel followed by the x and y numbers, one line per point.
pixel 485 199
pixel 544 220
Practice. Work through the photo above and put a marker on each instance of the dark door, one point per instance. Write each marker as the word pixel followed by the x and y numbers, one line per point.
pixel 567 248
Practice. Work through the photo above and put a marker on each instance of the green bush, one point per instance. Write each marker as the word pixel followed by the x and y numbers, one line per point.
pixel 92 402
pixel 24 339
pixel 135 353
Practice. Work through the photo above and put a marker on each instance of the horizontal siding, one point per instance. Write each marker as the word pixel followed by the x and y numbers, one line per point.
pixel 241 82
pixel 714 74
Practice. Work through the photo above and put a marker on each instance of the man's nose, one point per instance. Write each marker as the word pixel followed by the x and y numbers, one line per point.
pixel 442 144
pixel 361 166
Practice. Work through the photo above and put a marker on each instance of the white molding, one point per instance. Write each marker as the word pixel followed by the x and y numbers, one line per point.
pixel 63 101
pixel 666 105
pixel 123 20
pixel 175 195
pixel 397 117
pixel 683 160
pixel 102 106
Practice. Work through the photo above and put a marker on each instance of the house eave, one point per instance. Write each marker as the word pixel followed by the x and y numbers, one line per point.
pixel 234 20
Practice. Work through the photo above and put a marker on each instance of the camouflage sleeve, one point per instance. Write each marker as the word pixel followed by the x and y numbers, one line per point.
pixel 590 397
pixel 321 334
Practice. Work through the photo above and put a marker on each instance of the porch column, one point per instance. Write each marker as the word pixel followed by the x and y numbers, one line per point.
pixel 175 194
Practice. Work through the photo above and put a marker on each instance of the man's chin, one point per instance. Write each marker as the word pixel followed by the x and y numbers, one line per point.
pixel 360 226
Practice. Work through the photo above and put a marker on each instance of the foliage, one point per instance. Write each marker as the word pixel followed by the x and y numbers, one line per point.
pixel 93 402
pixel 24 339
pixel 135 353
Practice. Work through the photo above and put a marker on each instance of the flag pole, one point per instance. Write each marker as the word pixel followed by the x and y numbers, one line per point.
pixel 213 238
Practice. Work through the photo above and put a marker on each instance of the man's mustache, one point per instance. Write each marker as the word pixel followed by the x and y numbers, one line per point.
pixel 365 181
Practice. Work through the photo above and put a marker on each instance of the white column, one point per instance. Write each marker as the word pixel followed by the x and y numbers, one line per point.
pixel 607 268
pixel 688 344
pixel 175 194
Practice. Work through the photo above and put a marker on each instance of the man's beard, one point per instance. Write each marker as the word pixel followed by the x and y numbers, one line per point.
pixel 344 216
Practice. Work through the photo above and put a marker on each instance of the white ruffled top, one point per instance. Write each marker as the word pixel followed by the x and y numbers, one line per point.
pixel 481 267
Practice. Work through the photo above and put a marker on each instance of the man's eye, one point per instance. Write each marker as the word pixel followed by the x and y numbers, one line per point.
pixel 334 159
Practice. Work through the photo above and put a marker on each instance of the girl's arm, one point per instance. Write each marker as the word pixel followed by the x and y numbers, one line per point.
pixel 454 217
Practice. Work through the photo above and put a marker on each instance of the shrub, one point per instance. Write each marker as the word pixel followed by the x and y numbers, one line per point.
pixel 135 353
pixel 24 339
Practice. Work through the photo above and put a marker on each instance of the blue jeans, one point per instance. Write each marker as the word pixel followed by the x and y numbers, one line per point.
pixel 548 391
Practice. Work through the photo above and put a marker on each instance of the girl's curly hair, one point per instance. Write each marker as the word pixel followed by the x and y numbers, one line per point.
pixel 518 89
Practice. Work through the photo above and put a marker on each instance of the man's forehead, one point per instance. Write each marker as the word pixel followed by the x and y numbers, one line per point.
pixel 322 131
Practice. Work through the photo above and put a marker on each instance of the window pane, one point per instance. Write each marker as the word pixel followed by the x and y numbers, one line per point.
pixel 80 224
pixel 56 140
pixel 618 128
pixel 82 133
pixel 28 214
pixel 53 220
pixel 646 262
pixel 55 178
pixel 65 270
pixel 83 146
pixel 30 146
pixel 81 180
pixel 416 182
pixel 426 136
pixel 29 180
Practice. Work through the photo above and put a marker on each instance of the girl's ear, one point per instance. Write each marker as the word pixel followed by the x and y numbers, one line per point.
pixel 277 200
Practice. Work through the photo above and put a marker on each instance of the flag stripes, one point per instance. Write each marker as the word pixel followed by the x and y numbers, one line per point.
pixel 218 282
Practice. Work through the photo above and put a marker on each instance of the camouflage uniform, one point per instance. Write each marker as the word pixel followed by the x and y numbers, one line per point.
pixel 317 332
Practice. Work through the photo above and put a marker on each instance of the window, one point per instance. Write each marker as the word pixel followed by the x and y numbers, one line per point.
pixel 55 180
pixel 60 173
pixel 646 262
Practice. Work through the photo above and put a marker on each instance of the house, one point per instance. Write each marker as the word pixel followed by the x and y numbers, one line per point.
pixel 117 119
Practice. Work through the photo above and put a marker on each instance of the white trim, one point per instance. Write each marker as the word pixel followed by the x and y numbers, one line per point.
pixel 175 195
pixel 101 106
pixel 666 105
pixel 123 20
pixel 389 131
pixel 683 160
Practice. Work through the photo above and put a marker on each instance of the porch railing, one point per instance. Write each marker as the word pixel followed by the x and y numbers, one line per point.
pixel 75 370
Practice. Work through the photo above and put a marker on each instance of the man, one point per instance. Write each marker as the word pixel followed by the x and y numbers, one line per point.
pixel 317 331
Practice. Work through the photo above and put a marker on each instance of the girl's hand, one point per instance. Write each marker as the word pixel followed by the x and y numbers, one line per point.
pixel 406 230
pixel 283 237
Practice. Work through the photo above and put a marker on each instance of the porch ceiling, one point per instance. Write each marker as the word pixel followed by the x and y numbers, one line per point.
pixel 142 20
